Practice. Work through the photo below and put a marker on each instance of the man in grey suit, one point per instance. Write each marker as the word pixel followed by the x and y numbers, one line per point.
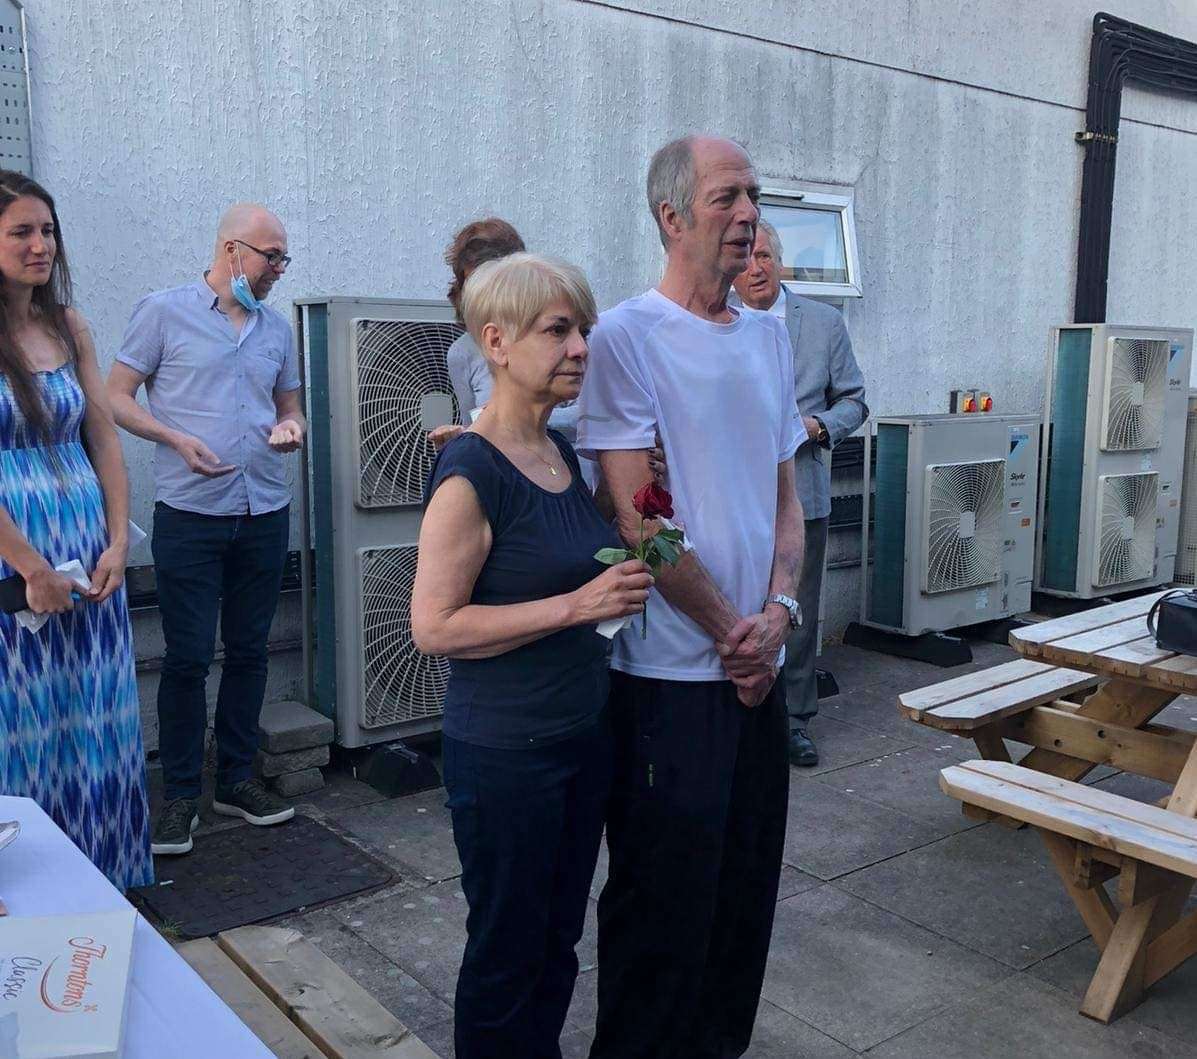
pixel 830 393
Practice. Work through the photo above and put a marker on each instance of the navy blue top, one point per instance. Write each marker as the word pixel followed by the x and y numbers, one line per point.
pixel 543 545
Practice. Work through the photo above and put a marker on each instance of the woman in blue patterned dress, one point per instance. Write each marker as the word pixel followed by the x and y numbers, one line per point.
pixel 70 731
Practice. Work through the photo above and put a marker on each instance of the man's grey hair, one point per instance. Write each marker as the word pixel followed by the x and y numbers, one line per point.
pixel 763 225
pixel 672 179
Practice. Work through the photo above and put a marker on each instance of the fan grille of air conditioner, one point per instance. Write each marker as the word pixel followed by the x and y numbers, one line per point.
pixel 1136 388
pixel 964 524
pixel 1186 552
pixel 399 363
pixel 1126 527
pixel 399 684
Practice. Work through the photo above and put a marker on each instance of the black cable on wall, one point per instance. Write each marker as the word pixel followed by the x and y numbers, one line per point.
pixel 1119 52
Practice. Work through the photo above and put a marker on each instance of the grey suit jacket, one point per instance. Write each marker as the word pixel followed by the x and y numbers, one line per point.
pixel 828 384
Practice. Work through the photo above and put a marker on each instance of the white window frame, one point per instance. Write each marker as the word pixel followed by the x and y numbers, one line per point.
pixel 839 201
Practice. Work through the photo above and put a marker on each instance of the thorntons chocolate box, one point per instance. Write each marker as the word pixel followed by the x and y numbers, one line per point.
pixel 63 983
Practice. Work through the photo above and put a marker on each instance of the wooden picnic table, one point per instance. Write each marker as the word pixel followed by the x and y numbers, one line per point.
pixel 1085 693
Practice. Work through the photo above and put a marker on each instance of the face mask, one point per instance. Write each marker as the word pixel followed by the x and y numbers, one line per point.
pixel 242 291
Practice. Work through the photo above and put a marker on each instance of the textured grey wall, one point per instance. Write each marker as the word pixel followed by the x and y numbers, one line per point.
pixel 376 130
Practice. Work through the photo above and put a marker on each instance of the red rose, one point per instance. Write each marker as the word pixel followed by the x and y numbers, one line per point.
pixel 653 502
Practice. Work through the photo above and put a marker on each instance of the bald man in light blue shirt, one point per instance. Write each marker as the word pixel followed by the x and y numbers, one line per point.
pixel 220 372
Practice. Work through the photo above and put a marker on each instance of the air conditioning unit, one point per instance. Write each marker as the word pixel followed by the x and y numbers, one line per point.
pixel 1186 545
pixel 1114 437
pixel 953 520
pixel 376 379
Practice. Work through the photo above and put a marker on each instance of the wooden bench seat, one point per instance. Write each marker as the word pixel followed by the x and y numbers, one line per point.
pixel 977 700
pixel 1087 814
pixel 1093 836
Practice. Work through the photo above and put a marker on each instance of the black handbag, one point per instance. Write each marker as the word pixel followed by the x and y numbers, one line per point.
pixel 1172 620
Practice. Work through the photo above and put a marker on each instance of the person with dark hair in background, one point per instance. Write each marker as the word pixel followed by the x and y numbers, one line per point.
pixel 476 243
pixel 70 726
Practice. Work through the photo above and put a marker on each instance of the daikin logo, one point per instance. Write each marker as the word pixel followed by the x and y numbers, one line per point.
pixel 1174 350
pixel 1017 440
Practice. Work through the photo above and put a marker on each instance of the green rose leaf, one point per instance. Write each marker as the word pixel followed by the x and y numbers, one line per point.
pixel 612 556
pixel 674 535
pixel 666 549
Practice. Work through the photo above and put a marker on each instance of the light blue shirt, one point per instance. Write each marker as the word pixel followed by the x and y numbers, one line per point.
pixel 205 380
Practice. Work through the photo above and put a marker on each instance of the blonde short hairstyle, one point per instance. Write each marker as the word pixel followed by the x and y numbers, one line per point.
pixel 513 291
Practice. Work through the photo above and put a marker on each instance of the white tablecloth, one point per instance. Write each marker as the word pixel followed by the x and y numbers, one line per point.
pixel 172 1012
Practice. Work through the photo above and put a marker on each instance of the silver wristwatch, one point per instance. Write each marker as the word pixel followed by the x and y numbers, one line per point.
pixel 791 605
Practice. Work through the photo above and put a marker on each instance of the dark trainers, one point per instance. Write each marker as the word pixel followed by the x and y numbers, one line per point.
pixel 172 833
pixel 251 801
pixel 802 749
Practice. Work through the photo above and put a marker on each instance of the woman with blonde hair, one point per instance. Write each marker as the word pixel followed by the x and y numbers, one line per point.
pixel 508 588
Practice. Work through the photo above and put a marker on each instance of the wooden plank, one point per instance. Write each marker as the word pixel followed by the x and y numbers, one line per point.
pixel 1160 754
pixel 1093 903
pixel 914 703
pixel 1007 700
pixel 1118 982
pixel 1082 647
pixel 1171 949
pixel 1105 820
pixel 1131 659
pixel 248 1002
pixel 1178 672
pixel 1116 702
pixel 1027 639
pixel 1088 871
pixel 1184 794
pixel 329 1006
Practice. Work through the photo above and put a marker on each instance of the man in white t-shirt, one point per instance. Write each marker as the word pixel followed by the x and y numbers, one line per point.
pixel 697 822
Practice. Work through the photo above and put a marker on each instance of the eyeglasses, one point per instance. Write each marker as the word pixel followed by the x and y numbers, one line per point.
pixel 274 258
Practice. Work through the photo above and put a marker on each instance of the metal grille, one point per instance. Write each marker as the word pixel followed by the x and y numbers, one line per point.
pixel 399 363
pixel 399 684
pixel 15 148
pixel 1186 552
pixel 1136 388
pixel 1126 527
pixel 964 524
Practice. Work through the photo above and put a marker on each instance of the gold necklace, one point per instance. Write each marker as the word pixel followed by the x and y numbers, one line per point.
pixel 511 434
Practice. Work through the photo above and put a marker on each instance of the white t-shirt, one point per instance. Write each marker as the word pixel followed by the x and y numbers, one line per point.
pixel 722 396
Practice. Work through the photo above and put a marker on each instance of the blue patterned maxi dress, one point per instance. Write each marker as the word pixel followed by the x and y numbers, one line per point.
pixel 70 730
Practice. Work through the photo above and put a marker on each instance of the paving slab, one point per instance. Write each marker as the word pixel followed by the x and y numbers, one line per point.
pixel 340 792
pixel 779 1035
pixel 1170 1005
pixel 414 833
pixel 989 888
pixel 908 781
pixel 830 833
pixel 861 974
pixel 288 725
pixel 297 784
pixel 795 882
pixel 1138 788
pixel 842 744
pixel 423 932
pixel 414 1005
pixel 269 765
pixel 1021 1017
pixel 876 710
pixel 854 668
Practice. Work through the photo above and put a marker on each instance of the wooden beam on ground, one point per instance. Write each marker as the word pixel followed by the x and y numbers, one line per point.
pixel 329 1006
pixel 247 1001
pixel 1158 753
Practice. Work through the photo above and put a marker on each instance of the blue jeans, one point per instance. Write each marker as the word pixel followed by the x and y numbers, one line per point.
pixel 214 566
pixel 527 824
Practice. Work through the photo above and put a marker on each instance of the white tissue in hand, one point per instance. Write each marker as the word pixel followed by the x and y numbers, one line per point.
pixel 611 626
pixel 74 570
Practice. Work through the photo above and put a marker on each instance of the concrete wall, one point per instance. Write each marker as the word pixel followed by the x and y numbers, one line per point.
pixel 376 132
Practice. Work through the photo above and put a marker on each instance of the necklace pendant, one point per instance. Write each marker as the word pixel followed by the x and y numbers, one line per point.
pixel 553 471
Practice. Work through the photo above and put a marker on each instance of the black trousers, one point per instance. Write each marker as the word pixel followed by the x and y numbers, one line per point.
pixel 208 567
pixel 527 824
pixel 695 833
